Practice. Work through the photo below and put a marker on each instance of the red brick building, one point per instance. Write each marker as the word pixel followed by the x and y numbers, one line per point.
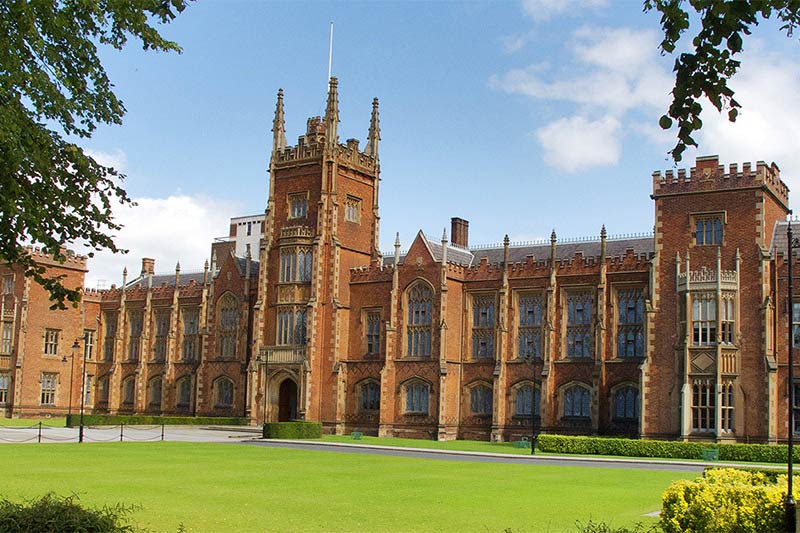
pixel 677 334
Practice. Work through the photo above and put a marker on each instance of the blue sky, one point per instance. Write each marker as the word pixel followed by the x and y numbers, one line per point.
pixel 521 117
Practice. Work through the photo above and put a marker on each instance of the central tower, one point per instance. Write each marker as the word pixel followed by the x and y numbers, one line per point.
pixel 321 220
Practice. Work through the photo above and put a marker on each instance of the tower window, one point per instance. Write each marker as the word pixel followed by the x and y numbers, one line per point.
pixel 298 205
pixel 708 229
pixel 352 209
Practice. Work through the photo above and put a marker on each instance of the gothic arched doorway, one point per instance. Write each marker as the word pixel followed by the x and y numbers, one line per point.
pixel 287 401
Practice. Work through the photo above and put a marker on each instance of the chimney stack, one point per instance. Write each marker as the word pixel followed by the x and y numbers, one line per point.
pixel 459 232
pixel 148 266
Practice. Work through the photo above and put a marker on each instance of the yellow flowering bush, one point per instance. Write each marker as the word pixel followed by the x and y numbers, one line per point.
pixel 724 500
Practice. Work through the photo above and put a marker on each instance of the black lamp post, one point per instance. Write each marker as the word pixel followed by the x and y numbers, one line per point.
pixel 790 505
pixel 83 389
pixel 75 347
pixel 533 406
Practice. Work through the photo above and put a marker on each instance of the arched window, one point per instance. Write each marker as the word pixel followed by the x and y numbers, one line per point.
pixel 576 402
pixel 102 390
pixel 228 325
pixel 523 396
pixel 370 397
pixel 184 395
pixel 128 391
pixel 154 393
pixel 417 394
pixel 480 400
pixel 626 403
pixel 224 392
pixel 420 317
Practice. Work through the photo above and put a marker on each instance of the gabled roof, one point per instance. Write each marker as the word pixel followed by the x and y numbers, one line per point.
pixel 455 254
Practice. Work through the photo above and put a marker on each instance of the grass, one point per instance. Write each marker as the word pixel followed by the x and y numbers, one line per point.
pixel 497 447
pixel 56 421
pixel 230 487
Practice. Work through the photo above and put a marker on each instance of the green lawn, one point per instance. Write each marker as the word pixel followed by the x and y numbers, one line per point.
pixel 231 487
pixel 56 421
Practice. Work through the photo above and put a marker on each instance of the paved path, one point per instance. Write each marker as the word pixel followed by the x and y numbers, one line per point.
pixel 482 457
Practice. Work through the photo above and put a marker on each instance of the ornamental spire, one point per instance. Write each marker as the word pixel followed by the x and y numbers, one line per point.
pixel 279 125
pixel 332 114
pixel 374 134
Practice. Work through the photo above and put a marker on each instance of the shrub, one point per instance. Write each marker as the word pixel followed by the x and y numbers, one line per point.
pixel 602 527
pixel 299 429
pixel 724 500
pixel 146 420
pixel 761 453
pixel 57 513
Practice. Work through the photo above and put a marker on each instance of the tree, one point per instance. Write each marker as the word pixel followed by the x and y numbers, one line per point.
pixel 706 70
pixel 54 92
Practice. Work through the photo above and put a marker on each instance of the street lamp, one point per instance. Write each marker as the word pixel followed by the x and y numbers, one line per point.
pixel 75 347
pixel 533 405
pixel 83 386
pixel 790 505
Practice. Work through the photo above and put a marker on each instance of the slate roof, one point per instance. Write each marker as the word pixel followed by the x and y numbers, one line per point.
pixel 167 279
pixel 779 237
pixel 518 253
pixel 186 276
pixel 567 250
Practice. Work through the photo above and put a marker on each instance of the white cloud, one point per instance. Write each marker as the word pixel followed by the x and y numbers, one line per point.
pixel 541 10
pixel 117 159
pixel 615 73
pixel 576 143
pixel 618 72
pixel 177 228
pixel 513 43
pixel 768 126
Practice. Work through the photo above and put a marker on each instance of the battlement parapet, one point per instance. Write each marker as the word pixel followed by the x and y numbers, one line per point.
pixel 372 272
pixel 709 175
pixel 71 259
pixel 311 146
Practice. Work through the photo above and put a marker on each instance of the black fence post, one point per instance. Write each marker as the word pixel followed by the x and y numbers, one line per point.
pixel 162 432
pixel 120 431
pixel 40 432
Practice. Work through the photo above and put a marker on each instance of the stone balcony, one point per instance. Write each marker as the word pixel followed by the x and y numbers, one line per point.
pixel 287 355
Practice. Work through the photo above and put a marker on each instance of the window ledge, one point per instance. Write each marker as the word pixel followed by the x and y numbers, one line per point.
pixel 572 360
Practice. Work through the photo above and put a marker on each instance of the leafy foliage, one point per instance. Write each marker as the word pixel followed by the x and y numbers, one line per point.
pixel 53 91
pixel 602 527
pixel 705 71
pixel 761 453
pixel 62 513
pixel 725 500
pixel 292 430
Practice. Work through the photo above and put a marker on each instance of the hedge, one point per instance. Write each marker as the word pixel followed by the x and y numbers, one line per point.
pixel 761 453
pixel 144 420
pixel 293 430
pixel 724 500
